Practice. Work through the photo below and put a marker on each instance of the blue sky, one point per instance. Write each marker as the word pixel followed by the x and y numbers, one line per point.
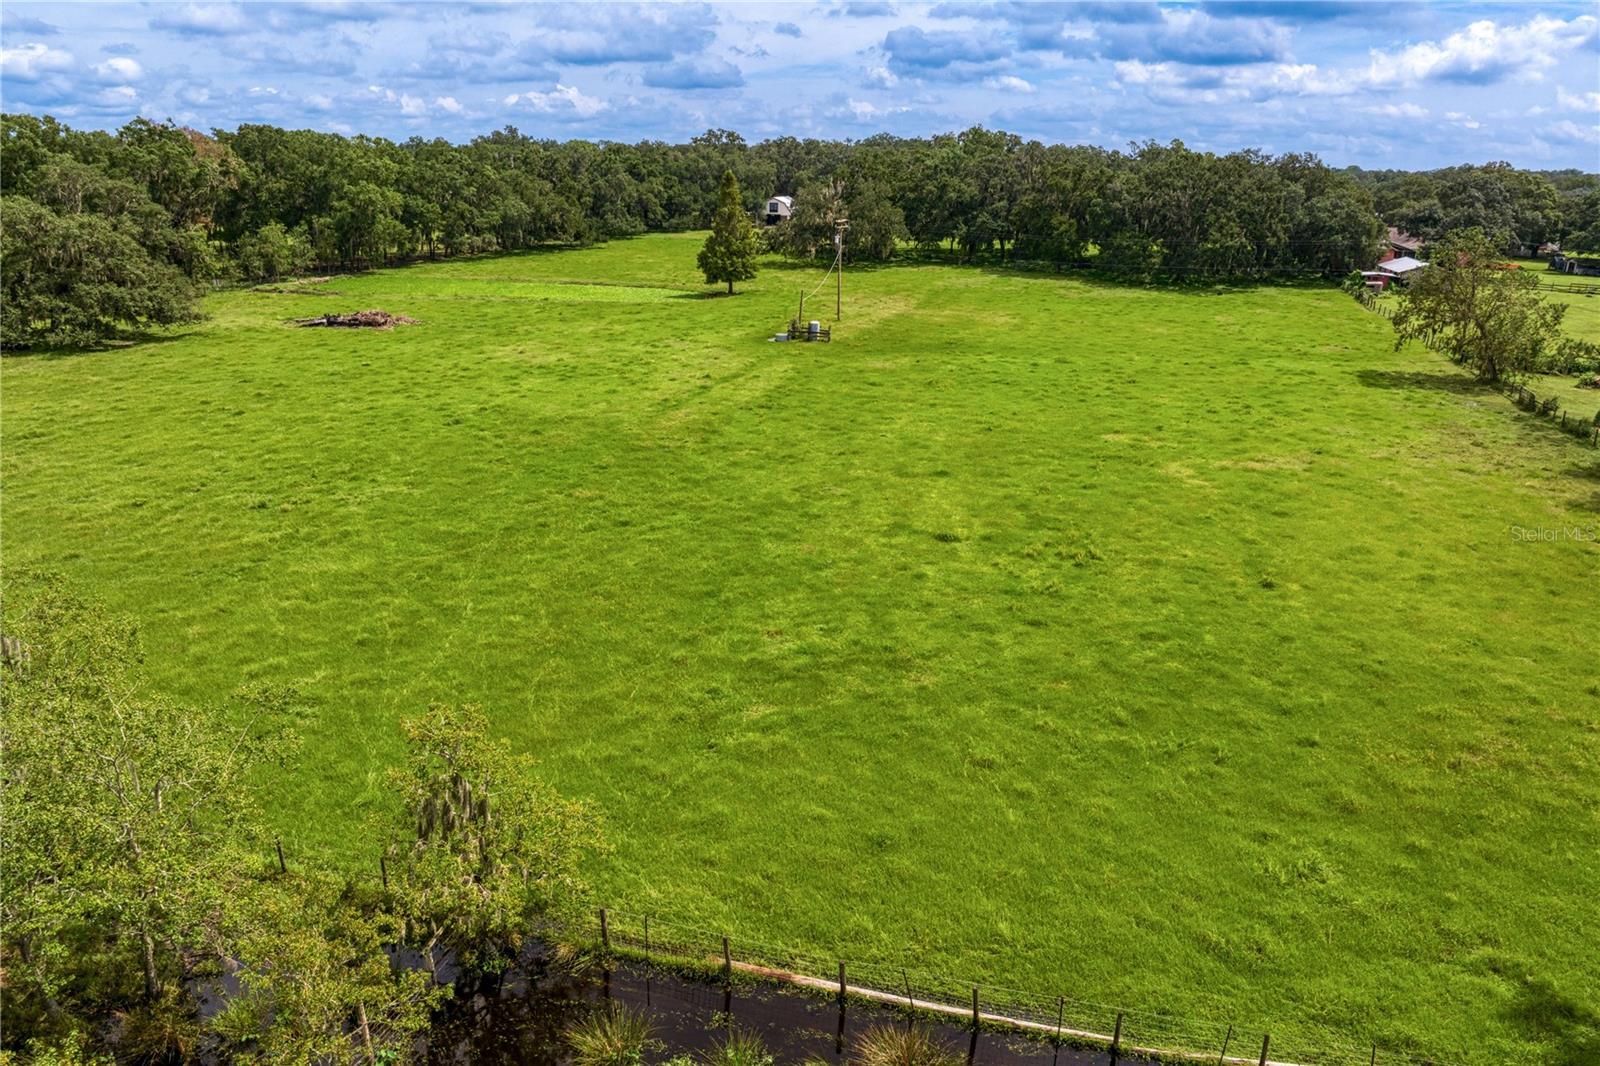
pixel 1396 83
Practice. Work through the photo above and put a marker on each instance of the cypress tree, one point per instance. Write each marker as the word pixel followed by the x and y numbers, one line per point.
pixel 730 252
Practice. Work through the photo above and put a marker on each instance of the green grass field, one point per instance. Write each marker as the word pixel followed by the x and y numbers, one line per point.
pixel 1582 319
pixel 1172 649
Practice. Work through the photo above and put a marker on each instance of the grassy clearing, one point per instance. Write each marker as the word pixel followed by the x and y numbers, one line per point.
pixel 1174 649
pixel 1583 309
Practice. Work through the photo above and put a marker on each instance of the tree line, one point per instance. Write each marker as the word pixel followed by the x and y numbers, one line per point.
pixel 127 228
pixel 141 878
pixel 1516 211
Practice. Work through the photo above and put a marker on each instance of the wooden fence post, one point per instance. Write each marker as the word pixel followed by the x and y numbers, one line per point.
pixel 841 983
pixel 1061 1014
pixel 1266 1042
pixel 1225 1042
pixel 1116 1036
pixel 605 930
pixel 727 958
pixel 647 940
pixel 383 868
pixel 283 867
pixel 974 1008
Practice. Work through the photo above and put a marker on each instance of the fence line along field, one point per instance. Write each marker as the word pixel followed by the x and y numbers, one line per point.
pixel 1191 649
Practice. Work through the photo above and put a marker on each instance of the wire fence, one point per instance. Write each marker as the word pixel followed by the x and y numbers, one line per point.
pixel 1051 1017
pixel 1585 429
pixel 1569 286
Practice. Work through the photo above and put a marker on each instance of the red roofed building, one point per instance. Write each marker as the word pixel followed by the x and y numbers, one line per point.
pixel 1401 244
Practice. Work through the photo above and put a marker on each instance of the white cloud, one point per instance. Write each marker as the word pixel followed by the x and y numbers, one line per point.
pixel 448 103
pixel 207 19
pixel 1579 101
pixel 1402 110
pixel 863 110
pixel 29 62
pixel 561 98
pixel 410 106
pixel 1484 51
pixel 881 78
pixel 1575 133
pixel 119 69
pixel 1010 83
pixel 1461 118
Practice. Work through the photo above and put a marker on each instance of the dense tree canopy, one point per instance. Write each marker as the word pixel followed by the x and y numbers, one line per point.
pixel 1516 210
pixel 125 229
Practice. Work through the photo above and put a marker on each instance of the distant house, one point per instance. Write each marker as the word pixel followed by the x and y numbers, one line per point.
pixel 1399 244
pixel 1402 268
pixel 1548 248
pixel 1575 263
pixel 1378 279
pixel 778 209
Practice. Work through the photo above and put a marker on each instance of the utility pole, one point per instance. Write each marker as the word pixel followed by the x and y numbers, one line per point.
pixel 839 226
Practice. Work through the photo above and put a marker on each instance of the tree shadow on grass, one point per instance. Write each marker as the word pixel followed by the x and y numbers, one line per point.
pixel 120 343
pixel 1589 472
pixel 1570 1028
pixel 1458 384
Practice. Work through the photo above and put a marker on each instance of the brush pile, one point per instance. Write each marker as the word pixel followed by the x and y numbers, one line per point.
pixel 1592 382
pixel 360 320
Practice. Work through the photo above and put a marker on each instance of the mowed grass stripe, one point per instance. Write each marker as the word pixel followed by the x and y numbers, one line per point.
pixel 1162 648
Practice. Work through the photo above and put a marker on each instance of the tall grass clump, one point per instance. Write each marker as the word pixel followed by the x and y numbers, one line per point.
pixel 615 1036
pixel 741 1047
pixel 913 1045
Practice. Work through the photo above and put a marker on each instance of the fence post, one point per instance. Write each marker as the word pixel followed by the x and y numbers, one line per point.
pixel 282 866
pixel 647 940
pixel 974 1008
pixel 1225 1042
pixel 383 868
pixel 841 983
pixel 605 931
pixel 1266 1042
pixel 1116 1036
pixel 727 958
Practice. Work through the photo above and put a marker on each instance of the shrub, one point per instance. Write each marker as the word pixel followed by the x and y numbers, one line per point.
pixel 165 1030
pixel 70 1050
pixel 614 1036
pixel 1572 356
